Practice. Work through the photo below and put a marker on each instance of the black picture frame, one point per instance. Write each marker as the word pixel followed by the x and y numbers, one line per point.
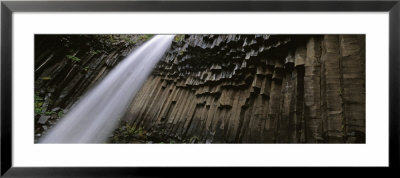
pixel 8 7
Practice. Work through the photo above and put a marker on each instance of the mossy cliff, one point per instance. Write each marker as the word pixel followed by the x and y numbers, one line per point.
pixel 67 66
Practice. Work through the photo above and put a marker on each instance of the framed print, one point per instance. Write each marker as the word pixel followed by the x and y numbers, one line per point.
pixel 104 88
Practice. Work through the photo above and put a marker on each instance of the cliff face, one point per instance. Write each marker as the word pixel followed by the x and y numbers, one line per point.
pixel 254 89
pixel 66 66
pixel 216 88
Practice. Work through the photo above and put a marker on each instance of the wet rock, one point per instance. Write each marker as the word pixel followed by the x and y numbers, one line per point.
pixel 56 109
pixel 241 88
pixel 43 119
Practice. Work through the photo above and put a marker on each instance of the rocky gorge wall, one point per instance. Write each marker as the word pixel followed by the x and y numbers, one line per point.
pixel 253 89
pixel 67 66
pixel 216 88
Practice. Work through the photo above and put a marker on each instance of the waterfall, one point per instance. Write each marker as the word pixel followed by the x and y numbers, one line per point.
pixel 93 118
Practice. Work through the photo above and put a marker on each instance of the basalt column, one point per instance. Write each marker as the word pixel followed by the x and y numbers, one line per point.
pixel 255 89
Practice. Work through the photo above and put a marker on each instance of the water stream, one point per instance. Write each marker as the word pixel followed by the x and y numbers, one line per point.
pixel 97 113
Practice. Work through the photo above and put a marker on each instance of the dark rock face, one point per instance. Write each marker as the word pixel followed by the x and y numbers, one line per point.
pixel 255 89
pixel 66 66
pixel 216 88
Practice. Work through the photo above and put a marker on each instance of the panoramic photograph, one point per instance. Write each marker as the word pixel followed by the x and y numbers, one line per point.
pixel 199 89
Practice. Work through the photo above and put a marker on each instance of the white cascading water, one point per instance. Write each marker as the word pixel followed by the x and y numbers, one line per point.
pixel 94 117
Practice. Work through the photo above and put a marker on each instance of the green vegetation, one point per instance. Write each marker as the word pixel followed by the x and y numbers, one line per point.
pixel 128 40
pixel 38 105
pixel 46 78
pixel 123 39
pixel 111 38
pixel 94 52
pixel 140 38
pixel 60 114
pixel 97 44
pixel 179 38
pixel 73 58
pixel 130 129
pixel 128 133
pixel 193 139
pixel 139 132
pixel 39 101
pixel 144 37
pixel 340 92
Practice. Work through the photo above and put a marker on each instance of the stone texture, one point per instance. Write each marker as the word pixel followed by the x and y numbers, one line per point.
pixel 228 88
pixel 66 66
pixel 256 89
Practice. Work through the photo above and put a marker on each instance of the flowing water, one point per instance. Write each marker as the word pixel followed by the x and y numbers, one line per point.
pixel 96 114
